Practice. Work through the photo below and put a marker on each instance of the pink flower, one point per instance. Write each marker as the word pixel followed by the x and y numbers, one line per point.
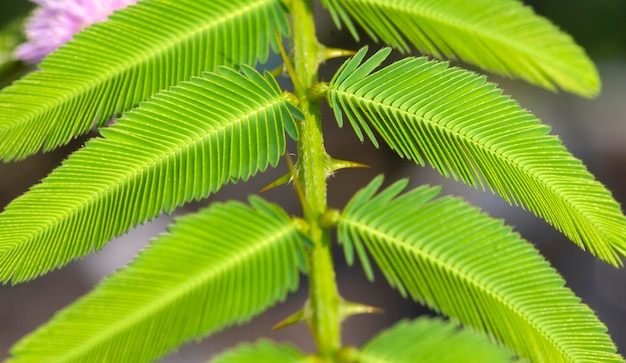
pixel 56 21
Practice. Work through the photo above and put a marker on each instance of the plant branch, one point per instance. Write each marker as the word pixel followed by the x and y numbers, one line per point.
pixel 313 166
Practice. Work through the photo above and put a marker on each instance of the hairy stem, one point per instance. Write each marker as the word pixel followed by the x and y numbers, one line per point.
pixel 313 166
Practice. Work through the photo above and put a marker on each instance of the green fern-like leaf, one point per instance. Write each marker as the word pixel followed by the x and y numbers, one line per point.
pixel 501 36
pixel 465 128
pixel 114 65
pixel 262 351
pixel 428 340
pixel 458 261
pixel 181 145
pixel 218 267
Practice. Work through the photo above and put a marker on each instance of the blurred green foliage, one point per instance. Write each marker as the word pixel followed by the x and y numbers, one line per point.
pixel 9 10
pixel 12 16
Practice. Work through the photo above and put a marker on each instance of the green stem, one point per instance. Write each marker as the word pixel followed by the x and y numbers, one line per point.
pixel 313 166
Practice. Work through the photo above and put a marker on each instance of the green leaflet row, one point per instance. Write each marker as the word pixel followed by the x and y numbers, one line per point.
pixel 421 340
pixel 466 129
pixel 213 269
pixel 179 146
pixel 501 36
pixel 112 66
pixel 458 261
pixel 431 340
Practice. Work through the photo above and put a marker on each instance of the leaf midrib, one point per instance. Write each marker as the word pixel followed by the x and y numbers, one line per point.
pixel 469 28
pixel 209 273
pixel 127 178
pixel 144 57
pixel 477 285
pixel 511 162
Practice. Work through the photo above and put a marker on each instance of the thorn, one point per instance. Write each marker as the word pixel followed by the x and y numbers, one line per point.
pixel 278 71
pixel 299 190
pixel 294 318
pixel 352 308
pixel 328 53
pixel 292 72
pixel 278 182
pixel 336 164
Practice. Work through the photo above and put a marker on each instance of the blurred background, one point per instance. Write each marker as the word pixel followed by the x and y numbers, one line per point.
pixel 593 130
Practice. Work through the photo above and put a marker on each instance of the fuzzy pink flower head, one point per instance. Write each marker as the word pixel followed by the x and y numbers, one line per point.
pixel 56 21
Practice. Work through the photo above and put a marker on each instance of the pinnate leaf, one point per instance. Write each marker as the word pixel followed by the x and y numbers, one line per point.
pixel 428 340
pixel 180 146
pixel 262 351
pixel 458 261
pixel 465 128
pixel 501 36
pixel 218 267
pixel 113 65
